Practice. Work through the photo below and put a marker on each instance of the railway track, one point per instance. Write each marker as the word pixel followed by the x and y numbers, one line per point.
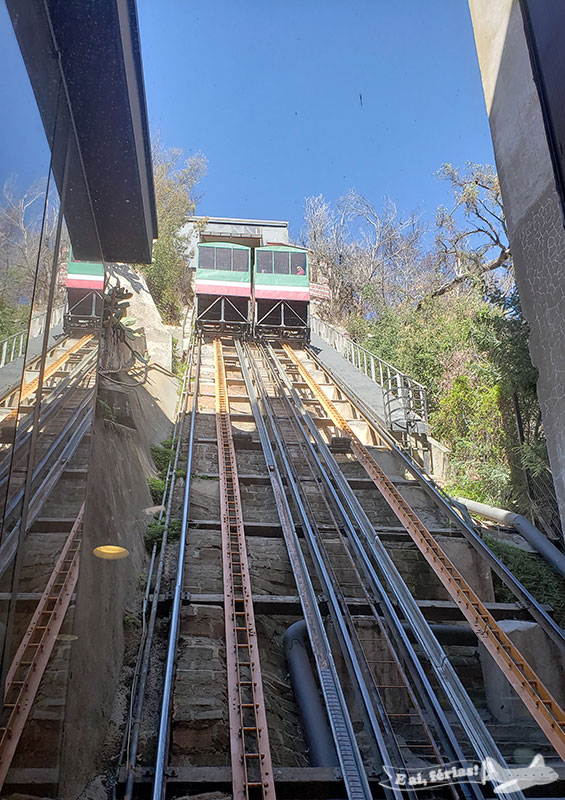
pixel 45 438
pixel 394 701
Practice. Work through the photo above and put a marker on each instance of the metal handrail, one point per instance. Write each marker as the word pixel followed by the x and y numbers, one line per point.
pixel 405 400
pixel 13 346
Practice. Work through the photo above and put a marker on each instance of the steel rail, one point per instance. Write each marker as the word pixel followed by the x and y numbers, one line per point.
pixel 55 445
pixel 359 672
pixel 32 386
pixel 483 743
pixel 539 701
pixel 249 734
pixel 376 598
pixel 162 742
pixel 139 683
pixel 32 656
pixel 547 623
pixel 53 405
pixel 352 768
pixel 10 543
pixel 14 390
pixel 320 451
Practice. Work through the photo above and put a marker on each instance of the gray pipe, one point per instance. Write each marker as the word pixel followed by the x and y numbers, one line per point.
pixel 523 525
pixel 461 635
pixel 315 723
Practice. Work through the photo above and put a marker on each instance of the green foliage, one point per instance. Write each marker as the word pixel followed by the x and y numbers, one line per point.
pixel 178 365
pixel 154 535
pixel 534 572
pixel 161 457
pixel 448 316
pixel 105 409
pixel 156 529
pixel 421 341
pixel 12 318
pixel 472 355
pixel 132 620
pixel 168 277
pixel 156 487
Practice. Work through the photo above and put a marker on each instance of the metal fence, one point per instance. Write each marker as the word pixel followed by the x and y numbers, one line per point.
pixel 404 399
pixel 14 346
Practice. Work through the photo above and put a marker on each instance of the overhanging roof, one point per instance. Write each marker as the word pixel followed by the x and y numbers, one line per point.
pixel 91 49
pixel 268 223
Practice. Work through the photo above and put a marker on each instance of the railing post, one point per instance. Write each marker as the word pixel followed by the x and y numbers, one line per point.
pixel 373 369
pixel 3 356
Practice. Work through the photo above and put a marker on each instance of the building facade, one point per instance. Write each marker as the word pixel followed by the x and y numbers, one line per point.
pixel 521 61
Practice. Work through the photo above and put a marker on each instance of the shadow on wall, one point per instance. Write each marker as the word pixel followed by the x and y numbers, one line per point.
pixel 142 307
pixel 117 495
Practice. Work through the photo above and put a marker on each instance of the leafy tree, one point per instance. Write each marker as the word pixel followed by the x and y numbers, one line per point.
pixel 168 277
pixel 465 338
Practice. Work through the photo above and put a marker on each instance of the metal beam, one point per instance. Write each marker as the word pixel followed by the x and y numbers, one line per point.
pixel 249 734
pixel 536 697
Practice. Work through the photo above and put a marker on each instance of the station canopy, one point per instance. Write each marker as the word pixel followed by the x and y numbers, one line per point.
pixel 83 59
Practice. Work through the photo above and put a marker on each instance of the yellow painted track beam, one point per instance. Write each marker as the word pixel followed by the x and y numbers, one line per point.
pixel 31 387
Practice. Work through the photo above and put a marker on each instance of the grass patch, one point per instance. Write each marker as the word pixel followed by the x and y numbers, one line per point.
pixel 534 573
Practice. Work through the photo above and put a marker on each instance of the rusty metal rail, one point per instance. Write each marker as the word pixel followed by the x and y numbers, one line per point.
pixel 32 386
pixel 249 737
pixel 31 659
pixel 350 759
pixel 536 697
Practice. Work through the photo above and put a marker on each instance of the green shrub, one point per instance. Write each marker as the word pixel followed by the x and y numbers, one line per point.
pixel 175 527
pixel 532 571
pixel 162 456
pixel 156 487
pixel 154 534
pixel 156 529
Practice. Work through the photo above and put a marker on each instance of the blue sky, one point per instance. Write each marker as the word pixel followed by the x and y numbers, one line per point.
pixel 270 92
pixel 290 98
